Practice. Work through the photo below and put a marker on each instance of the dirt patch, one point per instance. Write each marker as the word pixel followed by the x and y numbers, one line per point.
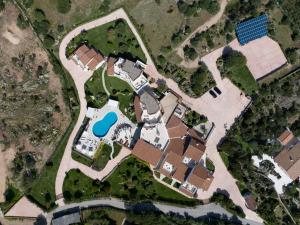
pixel 34 115
pixel 6 156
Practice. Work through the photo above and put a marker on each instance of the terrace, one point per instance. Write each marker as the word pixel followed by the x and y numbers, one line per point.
pixel 122 130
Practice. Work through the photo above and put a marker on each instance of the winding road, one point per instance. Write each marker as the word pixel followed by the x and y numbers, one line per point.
pixel 196 212
pixel 222 110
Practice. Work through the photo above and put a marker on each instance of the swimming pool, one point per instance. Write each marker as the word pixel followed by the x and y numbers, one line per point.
pixel 101 127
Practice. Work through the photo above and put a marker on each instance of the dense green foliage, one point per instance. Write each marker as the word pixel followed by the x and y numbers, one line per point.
pixel 63 6
pixel 11 195
pixel 132 180
pixel 21 22
pixel 255 134
pixel 2 5
pixel 233 65
pixel 291 16
pixel 189 52
pixel 112 216
pixel 201 80
pixel 227 203
pixel 192 118
pixel 192 9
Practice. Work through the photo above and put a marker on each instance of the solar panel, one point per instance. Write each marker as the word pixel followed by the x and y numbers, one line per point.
pixel 252 29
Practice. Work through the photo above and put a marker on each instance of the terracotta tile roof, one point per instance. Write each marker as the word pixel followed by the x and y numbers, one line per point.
pixel 285 137
pixel 177 145
pixel 147 152
pixel 200 177
pixel 110 66
pixel 88 56
pixel 180 171
pixel 195 153
pixel 195 134
pixel 138 109
pixel 81 50
pixel 289 159
pixel 95 61
pixel 250 202
pixel 176 128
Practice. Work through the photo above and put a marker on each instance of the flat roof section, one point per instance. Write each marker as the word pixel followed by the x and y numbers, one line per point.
pixel 168 103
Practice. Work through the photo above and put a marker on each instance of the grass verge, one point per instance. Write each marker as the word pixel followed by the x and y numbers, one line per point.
pixel 132 180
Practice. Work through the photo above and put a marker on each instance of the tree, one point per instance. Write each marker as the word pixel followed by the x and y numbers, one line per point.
pixel 63 6
pixel 39 14
pixel 41 27
pixel 2 5
pixel 49 41
pixel 21 22
pixel 189 52
pixel 40 220
pixel 9 194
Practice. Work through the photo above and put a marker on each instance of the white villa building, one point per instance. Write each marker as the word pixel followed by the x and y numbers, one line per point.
pixel 131 72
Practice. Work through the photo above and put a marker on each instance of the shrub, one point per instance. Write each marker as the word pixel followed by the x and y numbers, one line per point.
pixel 39 14
pixel 60 28
pixel 63 6
pixel 21 22
pixel 49 41
pixel 41 27
pixel 2 5
pixel 27 3
pixel 189 52
pixel 9 194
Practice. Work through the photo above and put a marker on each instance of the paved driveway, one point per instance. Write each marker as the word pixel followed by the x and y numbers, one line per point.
pixel 222 110
pixel 199 211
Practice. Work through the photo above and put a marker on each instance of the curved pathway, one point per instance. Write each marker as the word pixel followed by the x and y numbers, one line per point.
pixel 222 110
pixel 212 21
pixel 199 211
pixel 103 80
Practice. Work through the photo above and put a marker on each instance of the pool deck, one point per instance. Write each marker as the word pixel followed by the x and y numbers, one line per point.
pixel 97 115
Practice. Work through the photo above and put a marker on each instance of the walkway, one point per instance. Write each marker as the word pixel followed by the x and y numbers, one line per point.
pixel 196 212
pixel 212 21
pixel 103 80
pixel 222 110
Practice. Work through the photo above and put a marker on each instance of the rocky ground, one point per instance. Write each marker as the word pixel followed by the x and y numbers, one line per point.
pixel 33 114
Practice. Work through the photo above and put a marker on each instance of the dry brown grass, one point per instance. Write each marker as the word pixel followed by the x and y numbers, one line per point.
pixel 20 86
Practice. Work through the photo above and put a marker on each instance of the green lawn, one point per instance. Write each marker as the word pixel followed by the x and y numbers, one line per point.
pixel 117 149
pixel 118 89
pixel 42 190
pixel 81 158
pixel 114 38
pixel 102 157
pixel 241 76
pixel 14 196
pixel 233 65
pixel 132 180
pixel 224 157
pixel 100 160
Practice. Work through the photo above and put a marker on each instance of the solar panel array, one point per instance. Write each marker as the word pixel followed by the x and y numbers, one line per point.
pixel 252 29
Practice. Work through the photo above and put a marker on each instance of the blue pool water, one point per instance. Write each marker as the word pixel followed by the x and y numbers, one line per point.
pixel 101 127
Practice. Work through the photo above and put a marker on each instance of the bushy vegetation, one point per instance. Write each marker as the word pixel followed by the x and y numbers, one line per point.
pixel 233 65
pixel 63 6
pixel 189 52
pixel 11 195
pixel 192 9
pixel 114 216
pixel 254 134
pixel 192 118
pixel 227 203
pixel 22 23
pixel 132 180
pixel 201 80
